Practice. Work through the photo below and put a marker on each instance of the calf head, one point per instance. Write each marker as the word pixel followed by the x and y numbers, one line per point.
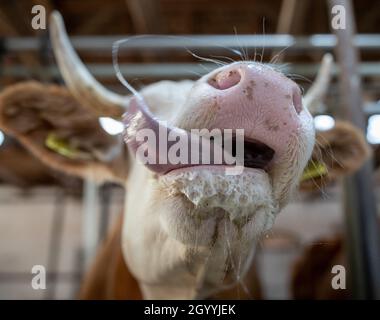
pixel 190 230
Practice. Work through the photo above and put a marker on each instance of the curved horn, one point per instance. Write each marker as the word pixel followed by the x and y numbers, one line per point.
pixel 78 79
pixel 314 96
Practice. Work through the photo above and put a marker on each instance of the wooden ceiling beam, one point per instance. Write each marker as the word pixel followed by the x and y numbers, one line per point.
pixel 8 28
pixel 96 22
pixel 145 15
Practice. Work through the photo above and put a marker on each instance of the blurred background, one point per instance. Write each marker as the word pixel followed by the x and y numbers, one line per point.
pixel 47 218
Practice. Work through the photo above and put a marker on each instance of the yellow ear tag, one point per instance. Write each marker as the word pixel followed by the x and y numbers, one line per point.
pixel 314 170
pixel 61 147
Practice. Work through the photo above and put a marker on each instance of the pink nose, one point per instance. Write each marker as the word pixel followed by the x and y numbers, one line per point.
pixel 229 78
pixel 258 99
pixel 225 79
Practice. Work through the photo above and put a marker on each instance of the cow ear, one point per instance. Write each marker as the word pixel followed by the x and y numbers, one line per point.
pixel 54 126
pixel 337 152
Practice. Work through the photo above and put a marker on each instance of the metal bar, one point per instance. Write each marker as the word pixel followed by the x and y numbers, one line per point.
pixel 55 241
pixel 90 221
pixel 363 242
pixel 181 70
pixel 105 203
pixel 205 42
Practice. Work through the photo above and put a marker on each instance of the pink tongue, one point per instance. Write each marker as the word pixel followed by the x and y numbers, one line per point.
pixel 139 122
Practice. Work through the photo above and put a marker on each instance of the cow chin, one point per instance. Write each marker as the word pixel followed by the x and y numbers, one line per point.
pixel 205 206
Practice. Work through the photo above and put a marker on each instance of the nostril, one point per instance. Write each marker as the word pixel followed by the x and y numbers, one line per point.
pixel 297 100
pixel 225 79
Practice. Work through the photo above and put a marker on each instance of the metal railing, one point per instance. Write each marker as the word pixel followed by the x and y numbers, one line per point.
pixel 205 42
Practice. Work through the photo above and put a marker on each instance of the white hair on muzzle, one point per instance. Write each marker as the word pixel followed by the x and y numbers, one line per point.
pixel 239 196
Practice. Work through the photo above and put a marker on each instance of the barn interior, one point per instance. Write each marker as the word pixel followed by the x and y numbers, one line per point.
pixel 58 221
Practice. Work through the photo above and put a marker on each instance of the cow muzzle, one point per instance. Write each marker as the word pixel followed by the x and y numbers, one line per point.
pixel 252 97
pixel 259 107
